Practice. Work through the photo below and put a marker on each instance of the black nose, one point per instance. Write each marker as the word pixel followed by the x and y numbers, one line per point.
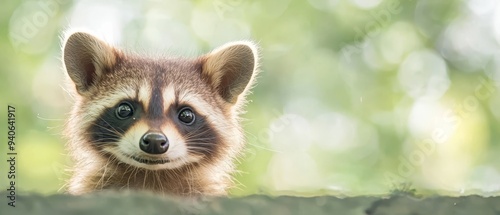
pixel 154 143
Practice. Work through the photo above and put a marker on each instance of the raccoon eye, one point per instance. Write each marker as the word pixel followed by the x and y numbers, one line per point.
pixel 124 111
pixel 186 116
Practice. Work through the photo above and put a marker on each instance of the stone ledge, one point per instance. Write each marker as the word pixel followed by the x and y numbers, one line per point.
pixel 144 203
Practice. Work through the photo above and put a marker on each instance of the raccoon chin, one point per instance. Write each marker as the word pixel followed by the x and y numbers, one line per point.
pixel 149 163
pixel 152 163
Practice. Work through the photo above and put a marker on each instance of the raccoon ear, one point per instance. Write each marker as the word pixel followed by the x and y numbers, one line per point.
pixel 230 69
pixel 86 58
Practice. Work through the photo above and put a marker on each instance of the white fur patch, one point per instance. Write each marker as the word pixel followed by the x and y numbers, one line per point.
pixel 113 98
pixel 177 147
pixel 144 95
pixel 199 104
pixel 168 94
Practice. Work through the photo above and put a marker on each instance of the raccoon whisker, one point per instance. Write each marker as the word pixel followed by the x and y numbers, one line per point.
pixel 112 134
pixel 192 182
pixel 204 140
pixel 130 175
pixel 189 183
pixel 190 172
pixel 110 137
pixel 199 142
pixel 144 181
pixel 105 140
pixel 158 179
pixel 99 183
pixel 155 179
pixel 135 170
pixel 126 171
pixel 199 153
pixel 70 95
pixel 200 139
pixel 246 134
pixel 103 169
pixel 108 163
pixel 197 150
pixel 199 147
pixel 99 134
pixel 110 129
pixel 103 143
pixel 49 119
pixel 112 160
pixel 98 137
pixel 199 131
pixel 177 176
pixel 195 133
pixel 110 126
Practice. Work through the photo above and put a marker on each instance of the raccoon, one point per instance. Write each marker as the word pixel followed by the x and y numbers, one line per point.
pixel 167 125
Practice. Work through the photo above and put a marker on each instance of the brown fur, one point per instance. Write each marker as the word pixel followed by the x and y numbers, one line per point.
pixel 99 72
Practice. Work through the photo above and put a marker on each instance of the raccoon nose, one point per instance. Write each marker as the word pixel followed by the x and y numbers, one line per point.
pixel 154 143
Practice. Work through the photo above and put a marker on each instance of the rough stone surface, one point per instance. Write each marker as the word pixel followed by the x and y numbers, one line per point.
pixel 144 203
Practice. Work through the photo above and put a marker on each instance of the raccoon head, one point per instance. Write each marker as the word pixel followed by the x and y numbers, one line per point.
pixel 157 113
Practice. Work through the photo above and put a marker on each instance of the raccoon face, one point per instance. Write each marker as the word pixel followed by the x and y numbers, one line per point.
pixel 160 113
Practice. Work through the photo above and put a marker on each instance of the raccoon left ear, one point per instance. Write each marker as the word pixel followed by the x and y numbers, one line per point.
pixel 231 68
pixel 86 59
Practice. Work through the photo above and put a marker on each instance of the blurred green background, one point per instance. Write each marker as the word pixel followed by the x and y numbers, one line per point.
pixel 356 97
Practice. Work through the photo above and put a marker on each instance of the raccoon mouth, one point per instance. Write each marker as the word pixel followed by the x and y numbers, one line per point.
pixel 150 162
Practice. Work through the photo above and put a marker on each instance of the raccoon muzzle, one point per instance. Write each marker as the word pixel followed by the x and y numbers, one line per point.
pixel 154 143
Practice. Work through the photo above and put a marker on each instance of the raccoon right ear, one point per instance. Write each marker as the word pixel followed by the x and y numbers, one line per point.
pixel 230 69
pixel 86 58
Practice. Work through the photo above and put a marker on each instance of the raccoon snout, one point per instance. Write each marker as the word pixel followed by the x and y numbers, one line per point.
pixel 154 143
